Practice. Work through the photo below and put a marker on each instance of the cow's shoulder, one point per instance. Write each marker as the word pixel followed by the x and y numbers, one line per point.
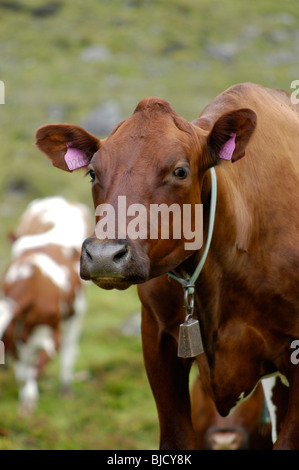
pixel 251 95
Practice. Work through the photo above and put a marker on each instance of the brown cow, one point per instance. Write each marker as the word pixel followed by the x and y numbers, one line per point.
pixel 43 299
pixel 246 296
pixel 247 428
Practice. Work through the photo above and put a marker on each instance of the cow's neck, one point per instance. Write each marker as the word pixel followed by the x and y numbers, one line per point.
pixel 189 281
pixel 225 229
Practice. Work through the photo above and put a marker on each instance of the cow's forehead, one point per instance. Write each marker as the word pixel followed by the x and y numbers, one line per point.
pixel 154 105
pixel 151 119
pixel 153 129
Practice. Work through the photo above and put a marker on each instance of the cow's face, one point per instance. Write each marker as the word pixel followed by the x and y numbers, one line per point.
pixel 146 178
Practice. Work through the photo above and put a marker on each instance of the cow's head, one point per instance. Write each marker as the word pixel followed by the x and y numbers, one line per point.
pixel 154 157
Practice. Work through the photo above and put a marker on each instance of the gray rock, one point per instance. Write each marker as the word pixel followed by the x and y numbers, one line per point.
pixel 225 52
pixel 56 112
pixel 132 325
pixel 103 119
pixel 281 57
pixel 95 53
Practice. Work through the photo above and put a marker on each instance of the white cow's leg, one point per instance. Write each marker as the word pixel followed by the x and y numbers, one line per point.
pixel 71 332
pixel 26 367
pixel 28 388
pixel 7 310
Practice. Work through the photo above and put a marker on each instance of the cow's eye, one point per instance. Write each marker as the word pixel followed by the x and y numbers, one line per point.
pixel 180 172
pixel 92 175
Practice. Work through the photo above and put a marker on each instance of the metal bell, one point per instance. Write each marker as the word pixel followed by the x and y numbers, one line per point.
pixel 190 342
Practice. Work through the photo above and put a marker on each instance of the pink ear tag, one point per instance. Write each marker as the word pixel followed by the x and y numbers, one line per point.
pixel 75 158
pixel 228 148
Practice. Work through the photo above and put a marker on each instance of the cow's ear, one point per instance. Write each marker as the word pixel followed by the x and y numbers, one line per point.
pixel 68 147
pixel 230 135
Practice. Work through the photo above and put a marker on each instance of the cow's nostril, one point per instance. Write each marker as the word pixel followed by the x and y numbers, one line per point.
pixel 88 255
pixel 121 254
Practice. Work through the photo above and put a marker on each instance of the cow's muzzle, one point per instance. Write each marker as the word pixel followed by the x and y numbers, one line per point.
pixel 110 261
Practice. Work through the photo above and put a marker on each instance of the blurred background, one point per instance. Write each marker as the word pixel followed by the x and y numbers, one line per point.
pixel 89 62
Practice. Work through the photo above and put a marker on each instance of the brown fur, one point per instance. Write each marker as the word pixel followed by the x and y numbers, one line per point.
pixel 245 429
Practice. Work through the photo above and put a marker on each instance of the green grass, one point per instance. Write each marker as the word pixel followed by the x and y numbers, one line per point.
pixel 111 406
pixel 156 47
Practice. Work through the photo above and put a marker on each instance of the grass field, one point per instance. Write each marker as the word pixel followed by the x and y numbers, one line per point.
pixel 185 51
pixel 111 405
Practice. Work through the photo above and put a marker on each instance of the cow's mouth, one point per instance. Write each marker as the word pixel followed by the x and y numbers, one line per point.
pixel 116 283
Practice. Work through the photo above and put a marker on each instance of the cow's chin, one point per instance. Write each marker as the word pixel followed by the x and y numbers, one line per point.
pixel 115 283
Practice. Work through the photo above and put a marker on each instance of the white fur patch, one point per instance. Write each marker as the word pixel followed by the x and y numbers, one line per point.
pixel 80 303
pixel 69 225
pixel 28 395
pixel 57 273
pixel 72 328
pixel 18 271
pixel 268 384
pixel 6 314
pixel 40 339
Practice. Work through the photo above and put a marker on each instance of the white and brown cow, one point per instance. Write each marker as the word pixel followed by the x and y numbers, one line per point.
pixel 43 302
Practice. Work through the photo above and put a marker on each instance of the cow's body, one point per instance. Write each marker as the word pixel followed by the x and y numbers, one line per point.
pixel 246 297
pixel 43 299
pixel 247 428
